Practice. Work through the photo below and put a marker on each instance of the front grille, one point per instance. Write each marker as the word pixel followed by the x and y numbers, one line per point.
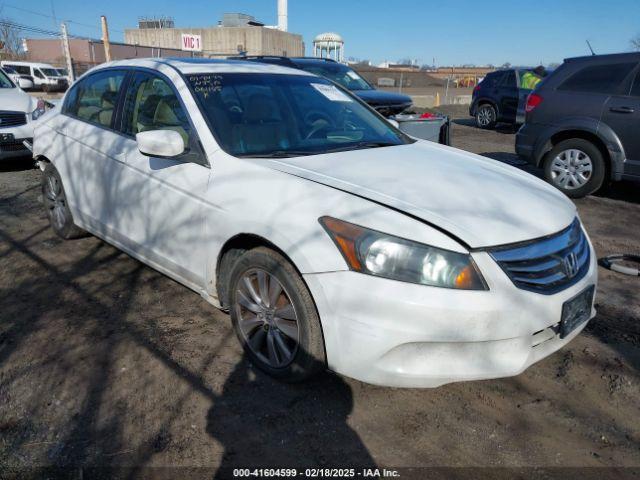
pixel 15 146
pixel 12 119
pixel 547 265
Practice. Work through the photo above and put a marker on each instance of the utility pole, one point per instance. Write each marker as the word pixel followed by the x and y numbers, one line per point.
pixel 67 52
pixel 105 39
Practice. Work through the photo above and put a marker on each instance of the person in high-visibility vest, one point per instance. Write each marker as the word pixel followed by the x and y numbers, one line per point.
pixel 531 79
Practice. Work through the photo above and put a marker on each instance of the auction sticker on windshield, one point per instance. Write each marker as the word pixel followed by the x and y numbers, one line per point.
pixel 331 92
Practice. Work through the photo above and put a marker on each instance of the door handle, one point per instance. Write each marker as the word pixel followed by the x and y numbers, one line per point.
pixel 621 109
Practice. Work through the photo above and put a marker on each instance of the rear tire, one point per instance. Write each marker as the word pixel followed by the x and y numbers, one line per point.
pixel 576 167
pixel 486 116
pixel 274 316
pixel 55 201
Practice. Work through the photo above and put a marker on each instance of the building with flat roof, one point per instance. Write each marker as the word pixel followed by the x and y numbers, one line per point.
pixel 236 33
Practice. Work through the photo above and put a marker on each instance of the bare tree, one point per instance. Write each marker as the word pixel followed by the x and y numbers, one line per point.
pixel 635 42
pixel 10 42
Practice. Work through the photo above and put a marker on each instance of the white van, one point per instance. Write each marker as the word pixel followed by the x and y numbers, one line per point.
pixel 45 76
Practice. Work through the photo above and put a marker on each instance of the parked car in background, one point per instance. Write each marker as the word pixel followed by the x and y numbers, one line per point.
pixel 388 104
pixel 583 123
pixel 334 239
pixel 25 82
pixel 18 112
pixel 499 98
pixel 45 77
pixel 64 74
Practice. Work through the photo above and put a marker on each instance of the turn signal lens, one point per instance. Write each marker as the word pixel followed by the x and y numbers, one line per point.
pixel 376 253
pixel 345 235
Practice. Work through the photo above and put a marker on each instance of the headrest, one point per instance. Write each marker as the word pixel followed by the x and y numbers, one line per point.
pixel 109 99
pixel 261 108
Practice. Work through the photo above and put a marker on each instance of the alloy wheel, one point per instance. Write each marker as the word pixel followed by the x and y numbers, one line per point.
pixel 485 116
pixel 267 318
pixel 571 169
pixel 56 202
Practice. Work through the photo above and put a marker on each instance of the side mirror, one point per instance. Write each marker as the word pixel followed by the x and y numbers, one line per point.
pixel 160 143
pixel 393 122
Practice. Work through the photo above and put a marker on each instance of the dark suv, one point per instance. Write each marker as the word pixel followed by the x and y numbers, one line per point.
pixel 583 123
pixel 387 103
pixel 499 98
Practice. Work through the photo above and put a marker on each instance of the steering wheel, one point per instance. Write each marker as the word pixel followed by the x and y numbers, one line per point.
pixel 318 121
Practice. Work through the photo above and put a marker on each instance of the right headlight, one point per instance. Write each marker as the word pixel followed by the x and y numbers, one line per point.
pixel 383 255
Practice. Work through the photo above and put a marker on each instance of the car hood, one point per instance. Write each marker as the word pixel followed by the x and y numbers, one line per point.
pixel 379 97
pixel 16 100
pixel 479 201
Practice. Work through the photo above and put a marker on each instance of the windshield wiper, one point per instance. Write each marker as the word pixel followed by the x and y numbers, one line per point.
pixel 278 154
pixel 362 145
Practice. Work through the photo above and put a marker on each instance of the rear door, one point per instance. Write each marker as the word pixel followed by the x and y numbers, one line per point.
pixel 93 149
pixel 508 96
pixel 622 114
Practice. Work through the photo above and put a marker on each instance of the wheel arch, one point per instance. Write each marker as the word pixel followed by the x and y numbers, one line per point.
pixel 488 101
pixel 601 136
pixel 231 251
pixel 41 161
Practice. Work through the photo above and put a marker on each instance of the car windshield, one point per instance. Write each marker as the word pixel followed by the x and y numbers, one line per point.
pixel 61 71
pixel 340 74
pixel 5 82
pixel 275 115
pixel 50 72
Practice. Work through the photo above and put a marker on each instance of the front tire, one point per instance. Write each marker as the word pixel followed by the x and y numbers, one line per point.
pixel 55 202
pixel 486 116
pixel 274 316
pixel 576 167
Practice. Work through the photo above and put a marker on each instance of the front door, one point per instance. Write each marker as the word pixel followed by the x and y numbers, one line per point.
pixel 622 114
pixel 160 209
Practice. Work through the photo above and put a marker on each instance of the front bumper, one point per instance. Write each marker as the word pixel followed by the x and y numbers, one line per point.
pixel 403 335
pixel 16 148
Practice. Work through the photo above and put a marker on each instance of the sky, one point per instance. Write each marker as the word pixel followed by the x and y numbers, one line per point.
pixel 453 32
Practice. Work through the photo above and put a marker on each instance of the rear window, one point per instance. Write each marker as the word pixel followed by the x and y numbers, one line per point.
pixel 598 78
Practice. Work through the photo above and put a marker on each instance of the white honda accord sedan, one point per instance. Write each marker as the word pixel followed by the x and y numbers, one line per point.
pixel 334 240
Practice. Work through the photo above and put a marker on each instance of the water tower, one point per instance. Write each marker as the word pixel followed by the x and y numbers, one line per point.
pixel 329 45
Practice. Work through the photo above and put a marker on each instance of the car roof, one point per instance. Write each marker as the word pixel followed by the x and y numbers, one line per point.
pixel 205 65
pixel 628 56
pixel 27 64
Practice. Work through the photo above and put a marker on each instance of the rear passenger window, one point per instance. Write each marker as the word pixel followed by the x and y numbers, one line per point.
pixel 509 79
pixel 94 98
pixel 151 104
pixel 492 79
pixel 598 78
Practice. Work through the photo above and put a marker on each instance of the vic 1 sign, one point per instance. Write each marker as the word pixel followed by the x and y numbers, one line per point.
pixel 191 43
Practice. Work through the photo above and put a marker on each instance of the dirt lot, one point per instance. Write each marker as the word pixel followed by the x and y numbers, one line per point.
pixel 107 363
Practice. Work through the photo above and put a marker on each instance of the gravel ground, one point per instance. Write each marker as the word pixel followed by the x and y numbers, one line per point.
pixel 107 363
